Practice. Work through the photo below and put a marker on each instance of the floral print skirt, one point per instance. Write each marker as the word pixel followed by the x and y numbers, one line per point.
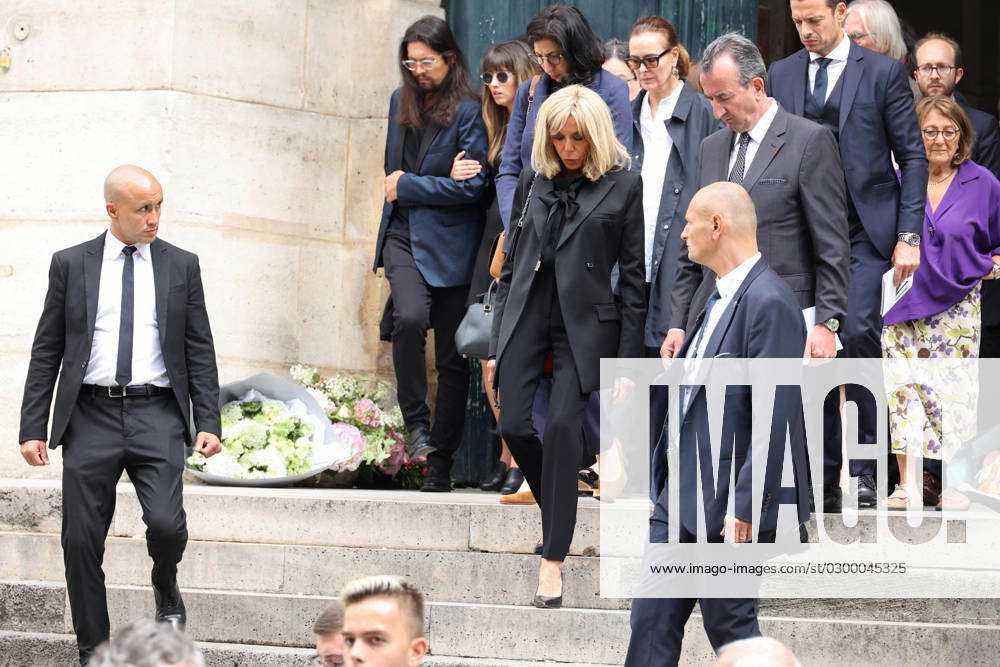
pixel 917 391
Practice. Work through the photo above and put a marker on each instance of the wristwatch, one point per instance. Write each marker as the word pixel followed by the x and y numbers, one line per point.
pixel 909 238
pixel 833 324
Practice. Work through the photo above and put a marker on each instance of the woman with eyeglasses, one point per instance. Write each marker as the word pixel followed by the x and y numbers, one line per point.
pixel 582 216
pixel 504 66
pixel 669 121
pixel 939 317
pixel 570 52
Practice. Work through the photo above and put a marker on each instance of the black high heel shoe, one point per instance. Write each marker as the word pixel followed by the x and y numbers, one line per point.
pixel 515 478
pixel 495 483
pixel 549 603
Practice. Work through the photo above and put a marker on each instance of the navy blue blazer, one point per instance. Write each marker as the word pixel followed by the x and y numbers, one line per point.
pixel 986 147
pixel 446 216
pixel 877 121
pixel 763 321
pixel 691 122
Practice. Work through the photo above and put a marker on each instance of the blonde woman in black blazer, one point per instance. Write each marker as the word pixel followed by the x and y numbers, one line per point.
pixel 582 215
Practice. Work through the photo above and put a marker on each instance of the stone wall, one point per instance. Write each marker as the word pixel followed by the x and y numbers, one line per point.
pixel 265 123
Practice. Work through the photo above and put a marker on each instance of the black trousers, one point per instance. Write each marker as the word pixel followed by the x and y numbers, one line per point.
pixel 418 307
pixel 550 471
pixel 989 342
pixel 145 437
pixel 861 336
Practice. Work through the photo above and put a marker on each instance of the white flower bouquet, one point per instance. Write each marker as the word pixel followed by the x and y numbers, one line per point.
pixel 273 433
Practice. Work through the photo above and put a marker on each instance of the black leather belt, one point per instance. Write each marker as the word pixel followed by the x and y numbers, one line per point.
pixel 131 391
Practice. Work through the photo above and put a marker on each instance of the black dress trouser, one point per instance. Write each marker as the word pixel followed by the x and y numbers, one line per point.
pixel 550 471
pixel 418 307
pixel 144 436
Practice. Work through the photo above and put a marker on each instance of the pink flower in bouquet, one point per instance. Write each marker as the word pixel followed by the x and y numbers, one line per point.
pixel 366 412
pixel 349 434
pixel 397 459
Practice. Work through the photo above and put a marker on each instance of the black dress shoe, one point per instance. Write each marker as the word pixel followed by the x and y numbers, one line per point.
pixel 170 607
pixel 438 479
pixel 832 499
pixel 418 444
pixel 515 478
pixel 866 491
pixel 547 603
pixel 495 483
pixel 538 548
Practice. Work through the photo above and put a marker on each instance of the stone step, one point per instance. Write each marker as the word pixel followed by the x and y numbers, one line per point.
pixel 499 632
pixel 454 576
pixel 456 521
pixel 39 649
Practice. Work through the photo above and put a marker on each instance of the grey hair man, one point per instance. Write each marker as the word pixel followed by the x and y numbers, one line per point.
pixel 147 643
pixel 756 652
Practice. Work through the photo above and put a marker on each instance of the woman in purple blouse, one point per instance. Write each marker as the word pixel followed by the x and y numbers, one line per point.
pixel 939 316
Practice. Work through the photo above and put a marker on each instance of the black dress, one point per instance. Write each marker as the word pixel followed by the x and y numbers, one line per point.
pixel 481 278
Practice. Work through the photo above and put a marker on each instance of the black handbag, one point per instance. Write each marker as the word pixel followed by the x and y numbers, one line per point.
pixel 472 338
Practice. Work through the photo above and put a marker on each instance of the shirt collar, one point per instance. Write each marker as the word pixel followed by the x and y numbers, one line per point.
pixel 758 131
pixel 113 248
pixel 729 283
pixel 669 102
pixel 839 52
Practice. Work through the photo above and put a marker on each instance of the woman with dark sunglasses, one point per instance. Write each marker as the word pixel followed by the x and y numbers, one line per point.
pixel 569 51
pixel 504 66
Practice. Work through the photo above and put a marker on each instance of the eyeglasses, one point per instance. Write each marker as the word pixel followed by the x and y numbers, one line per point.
pixel 553 59
pixel 949 134
pixel 926 70
pixel 502 77
pixel 425 63
pixel 855 36
pixel 651 62
pixel 318 661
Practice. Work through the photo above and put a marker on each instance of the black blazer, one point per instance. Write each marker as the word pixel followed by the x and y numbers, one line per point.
pixel 690 123
pixel 606 229
pixel 762 321
pixel 66 331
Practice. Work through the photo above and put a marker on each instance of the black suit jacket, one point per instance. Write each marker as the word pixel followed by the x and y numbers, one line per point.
pixel 66 331
pixel 690 123
pixel 878 122
pixel 986 147
pixel 607 228
pixel 797 186
pixel 761 321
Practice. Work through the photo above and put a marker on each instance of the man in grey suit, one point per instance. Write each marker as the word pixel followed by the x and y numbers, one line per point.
pixel 125 329
pixel 791 168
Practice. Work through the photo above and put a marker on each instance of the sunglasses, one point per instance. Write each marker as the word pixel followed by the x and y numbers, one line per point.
pixel 501 76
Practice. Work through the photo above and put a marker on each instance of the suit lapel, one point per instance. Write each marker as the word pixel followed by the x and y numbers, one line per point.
pixel 539 214
pixel 430 133
pixel 768 149
pixel 719 333
pixel 93 259
pixel 853 70
pixel 589 197
pixel 802 67
pixel 161 281
pixel 722 165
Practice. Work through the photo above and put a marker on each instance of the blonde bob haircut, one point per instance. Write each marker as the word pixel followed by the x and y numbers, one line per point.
pixel 593 121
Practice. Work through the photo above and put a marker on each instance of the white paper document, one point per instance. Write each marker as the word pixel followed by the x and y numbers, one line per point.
pixel 892 293
pixel 809 315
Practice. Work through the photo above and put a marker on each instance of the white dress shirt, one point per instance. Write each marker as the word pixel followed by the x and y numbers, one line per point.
pixel 757 134
pixel 147 358
pixel 727 286
pixel 838 61
pixel 657 146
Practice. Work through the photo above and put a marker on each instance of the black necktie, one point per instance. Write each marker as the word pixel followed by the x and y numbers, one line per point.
pixel 819 86
pixel 693 352
pixel 739 167
pixel 124 374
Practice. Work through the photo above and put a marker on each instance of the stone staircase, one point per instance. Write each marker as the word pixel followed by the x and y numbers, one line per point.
pixel 261 564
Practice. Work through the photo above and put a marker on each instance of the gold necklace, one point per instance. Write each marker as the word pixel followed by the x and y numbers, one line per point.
pixel 945 178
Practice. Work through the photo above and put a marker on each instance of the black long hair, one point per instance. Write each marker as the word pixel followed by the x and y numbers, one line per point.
pixel 443 102
pixel 567 27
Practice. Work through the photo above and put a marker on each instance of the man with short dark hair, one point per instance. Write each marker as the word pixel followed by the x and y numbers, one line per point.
pixel 329 641
pixel 938 69
pixel 383 622
pixel 429 235
pixel 863 98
